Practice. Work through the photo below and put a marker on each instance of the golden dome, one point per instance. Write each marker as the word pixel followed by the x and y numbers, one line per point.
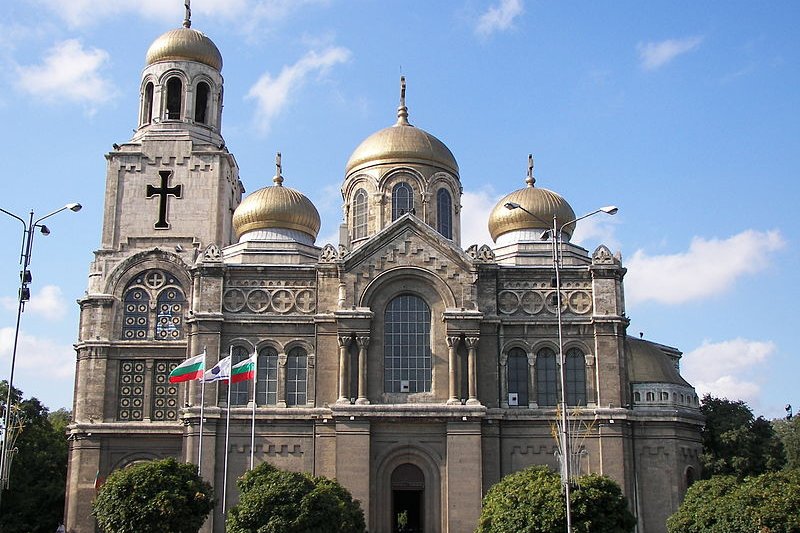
pixel 541 202
pixel 185 44
pixel 402 143
pixel 276 206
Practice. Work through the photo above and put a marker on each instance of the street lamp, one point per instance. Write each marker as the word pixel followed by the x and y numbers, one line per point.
pixel 28 231
pixel 555 238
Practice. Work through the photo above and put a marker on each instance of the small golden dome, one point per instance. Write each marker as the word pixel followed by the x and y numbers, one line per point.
pixel 185 44
pixel 541 202
pixel 276 207
pixel 402 143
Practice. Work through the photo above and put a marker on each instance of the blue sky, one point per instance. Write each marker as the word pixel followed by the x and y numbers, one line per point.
pixel 684 114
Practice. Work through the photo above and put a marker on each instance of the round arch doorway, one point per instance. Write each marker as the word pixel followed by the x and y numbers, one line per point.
pixel 408 496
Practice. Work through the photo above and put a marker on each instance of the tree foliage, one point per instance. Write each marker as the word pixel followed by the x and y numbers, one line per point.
pixel 736 443
pixel 769 503
pixel 276 501
pixel 34 501
pixel 789 433
pixel 162 496
pixel 532 501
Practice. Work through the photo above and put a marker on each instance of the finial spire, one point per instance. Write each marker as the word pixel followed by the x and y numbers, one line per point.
pixel 187 20
pixel 278 179
pixel 402 110
pixel 530 180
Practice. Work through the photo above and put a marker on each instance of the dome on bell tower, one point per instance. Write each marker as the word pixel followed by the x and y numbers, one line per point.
pixel 402 143
pixel 277 208
pixel 185 44
pixel 536 210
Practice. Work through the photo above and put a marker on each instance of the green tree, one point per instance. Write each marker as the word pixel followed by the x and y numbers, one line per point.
pixel 34 501
pixel 276 501
pixel 162 496
pixel 768 503
pixel 736 443
pixel 532 501
pixel 789 433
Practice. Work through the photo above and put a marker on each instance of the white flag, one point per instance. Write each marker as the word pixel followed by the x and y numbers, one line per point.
pixel 219 372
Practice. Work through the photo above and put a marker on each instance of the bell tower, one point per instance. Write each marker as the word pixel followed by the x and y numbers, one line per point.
pixel 174 185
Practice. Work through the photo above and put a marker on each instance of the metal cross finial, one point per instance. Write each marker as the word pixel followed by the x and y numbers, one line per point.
pixel 402 110
pixel 187 21
pixel 530 180
pixel 278 179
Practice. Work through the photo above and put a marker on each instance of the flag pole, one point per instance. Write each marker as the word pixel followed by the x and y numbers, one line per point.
pixel 202 411
pixel 255 395
pixel 227 435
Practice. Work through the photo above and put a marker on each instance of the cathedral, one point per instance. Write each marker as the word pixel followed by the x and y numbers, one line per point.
pixel 415 370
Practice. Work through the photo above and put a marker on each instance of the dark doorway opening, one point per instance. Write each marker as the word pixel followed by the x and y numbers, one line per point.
pixel 407 511
pixel 408 489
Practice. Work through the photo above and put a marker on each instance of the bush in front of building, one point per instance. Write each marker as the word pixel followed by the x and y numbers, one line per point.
pixel 769 503
pixel 162 496
pixel 532 501
pixel 277 501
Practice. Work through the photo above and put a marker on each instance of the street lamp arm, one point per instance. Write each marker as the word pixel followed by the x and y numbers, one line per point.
pixel 609 210
pixel 74 207
pixel 14 216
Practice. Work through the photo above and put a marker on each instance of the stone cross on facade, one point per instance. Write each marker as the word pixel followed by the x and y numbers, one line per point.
pixel 163 192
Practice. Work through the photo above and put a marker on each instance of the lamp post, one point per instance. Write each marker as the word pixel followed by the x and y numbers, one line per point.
pixel 555 238
pixel 28 231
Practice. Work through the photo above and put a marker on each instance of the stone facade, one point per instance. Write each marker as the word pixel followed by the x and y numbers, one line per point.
pixel 414 371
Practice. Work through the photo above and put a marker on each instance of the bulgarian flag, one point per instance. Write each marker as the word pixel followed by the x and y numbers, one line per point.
pixel 189 370
pixel 244 370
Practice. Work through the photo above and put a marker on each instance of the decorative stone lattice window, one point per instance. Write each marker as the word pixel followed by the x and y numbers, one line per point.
pixel 131 390
pixel 165 394
pixel 138 313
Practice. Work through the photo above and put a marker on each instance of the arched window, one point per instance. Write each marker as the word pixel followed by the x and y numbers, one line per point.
pixel 575 377
pixel 201 102
pixel 169 320
pixel 147 104
pixel 174 98
pixel 517 369
pixel 240 392
pixel 402 200
pixel 407 345
pixel 444 213
pixel 546 378
pixel 296 373
pixel 637 397
pixel 360 214
pixel 135 314
pixel 267 376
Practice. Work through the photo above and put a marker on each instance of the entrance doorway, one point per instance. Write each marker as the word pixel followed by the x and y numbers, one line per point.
pixel 408 491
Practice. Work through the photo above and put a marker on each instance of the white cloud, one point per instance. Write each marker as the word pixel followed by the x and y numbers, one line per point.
pixel 49 303
pixel 68 72
pixel 38 356
pixel 272 95
pixel 654 55
pixel 249 14
pixel 727 369
pixel 709 267
pixel 476 206
pixel 593 231
pixel 498 17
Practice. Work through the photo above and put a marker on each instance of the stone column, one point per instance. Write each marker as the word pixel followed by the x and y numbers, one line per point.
pixel 281 380
pixel 452 347
pixel 472 347
pixel 344 344
pixel 363 343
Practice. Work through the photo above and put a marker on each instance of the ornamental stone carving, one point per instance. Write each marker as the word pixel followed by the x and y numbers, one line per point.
pixel 328 254
pixel 534 298
pixel 270 297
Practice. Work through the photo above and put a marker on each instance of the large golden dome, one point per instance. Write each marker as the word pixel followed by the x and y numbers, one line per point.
pixel 402 143
pixel 541 202
pixel 276 207
pixel 185 44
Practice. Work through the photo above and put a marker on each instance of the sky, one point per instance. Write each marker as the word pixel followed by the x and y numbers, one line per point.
pixel 683 114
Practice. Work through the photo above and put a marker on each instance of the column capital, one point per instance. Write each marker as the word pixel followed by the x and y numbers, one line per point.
pixel 344 340
pixel 453 340
pixel 363 341
pixel 471 342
